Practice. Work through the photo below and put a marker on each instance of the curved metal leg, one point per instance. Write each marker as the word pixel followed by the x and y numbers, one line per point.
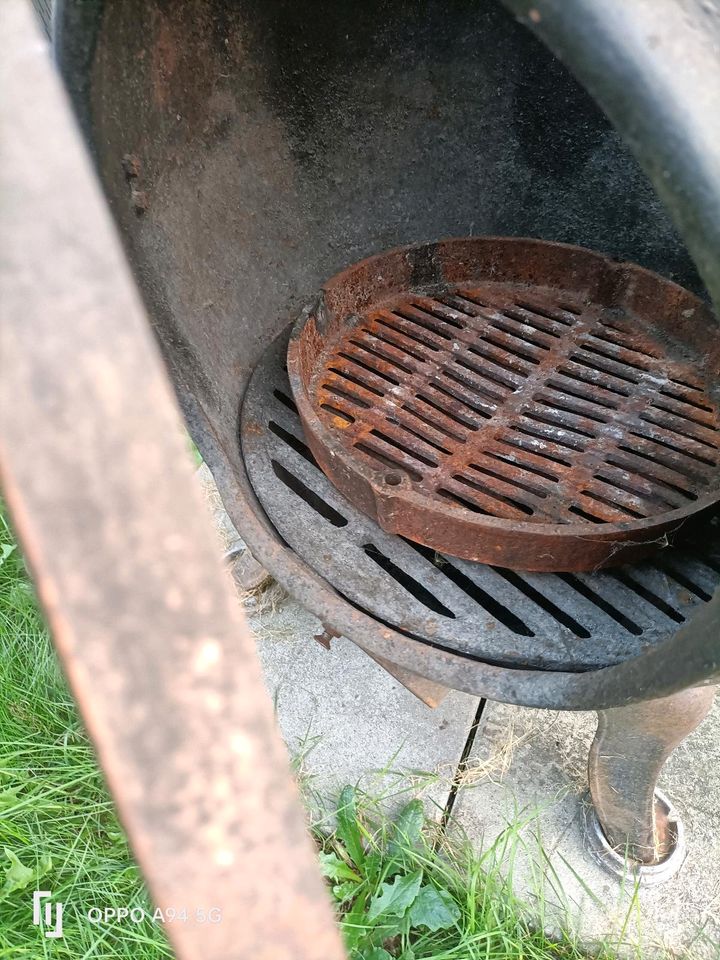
pixel 630 748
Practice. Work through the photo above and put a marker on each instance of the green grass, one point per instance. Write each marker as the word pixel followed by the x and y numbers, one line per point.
pixel 58 828
pixel 402 890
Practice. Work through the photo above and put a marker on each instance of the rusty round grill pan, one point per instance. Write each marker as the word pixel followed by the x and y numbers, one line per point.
pixel 516 402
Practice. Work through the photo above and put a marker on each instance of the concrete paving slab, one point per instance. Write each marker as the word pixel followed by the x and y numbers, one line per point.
pixel 531 765
pixel 350 722
pixel 343 717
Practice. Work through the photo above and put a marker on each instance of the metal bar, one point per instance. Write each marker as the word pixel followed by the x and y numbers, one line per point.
pixel 653 67
pixel 94 467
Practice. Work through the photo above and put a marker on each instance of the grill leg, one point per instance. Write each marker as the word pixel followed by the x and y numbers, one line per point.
pixel 630 748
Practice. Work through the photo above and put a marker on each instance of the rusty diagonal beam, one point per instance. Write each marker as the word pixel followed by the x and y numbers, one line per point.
pixel 96 474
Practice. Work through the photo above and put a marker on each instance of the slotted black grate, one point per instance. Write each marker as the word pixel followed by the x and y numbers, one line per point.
pixel 554 621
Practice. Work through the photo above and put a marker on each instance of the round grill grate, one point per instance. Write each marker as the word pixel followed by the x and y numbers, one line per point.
pixel 547 425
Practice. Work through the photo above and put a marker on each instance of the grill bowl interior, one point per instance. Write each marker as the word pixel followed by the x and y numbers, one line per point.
pixel 528 404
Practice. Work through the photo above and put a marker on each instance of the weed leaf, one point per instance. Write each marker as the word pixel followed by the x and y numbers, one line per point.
pixel 6 550
pixel 434 909
pixel 334 868
pixel 342 892
pixel 374 953
pixel 347 825
pixel 17 875
pixel 394 898
pixel 408 826
pixel 8 798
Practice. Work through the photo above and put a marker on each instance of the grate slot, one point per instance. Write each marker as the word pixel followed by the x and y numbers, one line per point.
pixel 546 312
pixel 418 318
pixel 418 435
pixel 525 336
pixel 552 436
pixel 406 581
pixel 286 401
pixel 589 377
pixel 535 448
pixel 512 480
pixel 408 451
pixel 662 441
pixel 311 498
pixel 494 485
pixel 337 412
pixel 533 321
pixel 491 501
pixel 572 390
pixel 656 456
pixel 575 583
pixel 441 312
pixel 616 341
pixel 397 344
pixel 655 475
pixel 346 395
pixel 525 331
pixel 496 610
pixel 377 354
pixel 649 596
pixel 615 507
pixel 559 420
pixel 436 424
pixel 695 577
pixel 516 464
pixel 639 491
pixel 505 343
pixel 535 596
pixel 475 384
pixel 292 441
pixel 690 432
pixel 607 369
pixel 568 406
pixel 686 412
pixel 585 514
pixel 463 501
pixel 460 394
pixel 616 357
pixel 688 401
pixel 401 330
pixel 496 373
pixel 712 563
pixel 354 380
pixel 408 358
pixel 458 418
pixel 371 368
pixel 688 384
pixel 396 460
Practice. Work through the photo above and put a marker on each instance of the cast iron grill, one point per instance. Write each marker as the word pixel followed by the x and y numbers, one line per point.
pixel 562 413
pixel 548 621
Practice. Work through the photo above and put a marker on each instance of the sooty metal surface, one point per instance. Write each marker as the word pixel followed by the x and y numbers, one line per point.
pixel 550 621
pixel 537 415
